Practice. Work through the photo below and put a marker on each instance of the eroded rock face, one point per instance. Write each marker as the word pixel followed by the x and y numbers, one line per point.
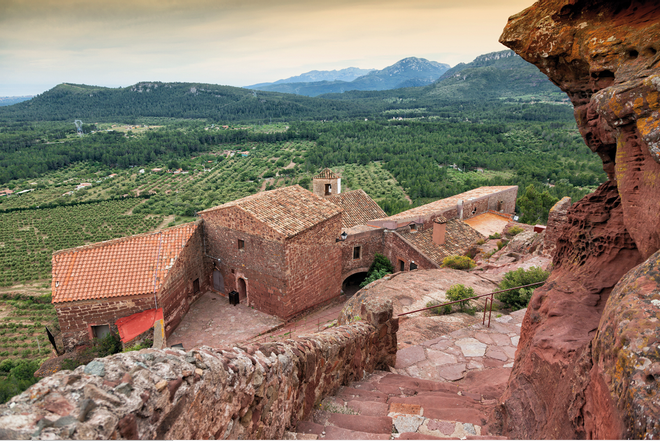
pixel 604 55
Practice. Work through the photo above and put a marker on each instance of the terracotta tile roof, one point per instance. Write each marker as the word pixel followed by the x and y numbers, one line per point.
pixel 445 204
pixel 459 236
pixel 358 208
pixel 119 267
pixel 327 174
pixel 288 210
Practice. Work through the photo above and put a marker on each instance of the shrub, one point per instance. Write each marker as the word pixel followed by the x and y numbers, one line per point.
pixel 518 298
pixel 481 241
pixel 144 345
pixel 495 236
pixel 501 244
pixel 460 292
pixel 380 267
pixel 458 262
pixel 514 230
pixel 440 310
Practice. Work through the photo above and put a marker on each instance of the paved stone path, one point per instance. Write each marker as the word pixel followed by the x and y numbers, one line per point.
pixel 441 388
pixel 477 347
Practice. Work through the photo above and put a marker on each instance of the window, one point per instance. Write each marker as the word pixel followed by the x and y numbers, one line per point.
pixel 241 244
pixel 474 210
pixel 328 189
pixel 196 286
pixel 100 331
pixel 413 227
pixel 413 266
pixel 357 252
pixel 402 265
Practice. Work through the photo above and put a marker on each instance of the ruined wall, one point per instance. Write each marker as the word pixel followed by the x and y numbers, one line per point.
pixel 370 243
pixel 76 318
pixel 251 392
pixel 314 263
pixel 604 56
pixel 261 262
pixel 398 249
pixel 177 292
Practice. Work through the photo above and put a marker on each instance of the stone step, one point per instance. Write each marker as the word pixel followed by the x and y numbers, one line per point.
pixel 356 394
pixel 361 423
pixel 369 408
pixel 342 433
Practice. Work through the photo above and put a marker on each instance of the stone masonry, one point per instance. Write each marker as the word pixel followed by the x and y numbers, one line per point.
pixel 250 392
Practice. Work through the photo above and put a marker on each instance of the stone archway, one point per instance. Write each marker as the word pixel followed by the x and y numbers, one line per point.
pixel 351 283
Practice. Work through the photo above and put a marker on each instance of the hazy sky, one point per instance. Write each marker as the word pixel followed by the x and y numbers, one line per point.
pixel 232 42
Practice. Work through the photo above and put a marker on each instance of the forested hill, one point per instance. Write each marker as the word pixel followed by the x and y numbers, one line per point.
pixel 496 75
pixel 172 100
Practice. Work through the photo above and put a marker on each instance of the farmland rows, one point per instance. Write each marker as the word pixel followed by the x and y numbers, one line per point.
pixel 28 238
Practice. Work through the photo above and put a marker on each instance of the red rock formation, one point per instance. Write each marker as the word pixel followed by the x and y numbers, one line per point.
pixel 604 56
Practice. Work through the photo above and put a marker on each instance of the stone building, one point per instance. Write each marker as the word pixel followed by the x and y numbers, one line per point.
pixel 95 285
pixel 284 251
pixel 277 249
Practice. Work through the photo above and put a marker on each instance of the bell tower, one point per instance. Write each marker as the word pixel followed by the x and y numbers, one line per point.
pixel 326 183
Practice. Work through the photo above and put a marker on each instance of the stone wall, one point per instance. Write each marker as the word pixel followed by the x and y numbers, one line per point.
pixel 370 243
pixel 398 249
pixel 250 392
pixel 77 318
pixel 260 263
pixel 178 292
pixel 314 267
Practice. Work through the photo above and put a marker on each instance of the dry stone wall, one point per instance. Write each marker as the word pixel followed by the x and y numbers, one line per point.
pixel 250 392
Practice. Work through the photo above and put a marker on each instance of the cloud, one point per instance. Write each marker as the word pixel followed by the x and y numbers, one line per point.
pixel 233 42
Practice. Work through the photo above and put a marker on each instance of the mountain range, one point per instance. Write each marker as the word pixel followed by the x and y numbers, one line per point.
pixel 492 78
pixel 314 76
pixel 409 72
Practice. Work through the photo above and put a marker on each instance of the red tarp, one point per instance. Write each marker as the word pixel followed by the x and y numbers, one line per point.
pixel 134 325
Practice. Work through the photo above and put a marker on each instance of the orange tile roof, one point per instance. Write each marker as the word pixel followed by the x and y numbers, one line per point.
pixel 120 267
pixel 287 210
pixel 459 236
pixel 358 208
pixel 445 204
pixel 326 174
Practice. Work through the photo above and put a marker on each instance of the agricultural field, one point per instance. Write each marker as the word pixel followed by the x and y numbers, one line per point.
pixel 29 237
pixel 22 326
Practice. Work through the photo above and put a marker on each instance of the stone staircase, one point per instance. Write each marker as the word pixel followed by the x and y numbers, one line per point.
pixel 441 388
pixel 388 406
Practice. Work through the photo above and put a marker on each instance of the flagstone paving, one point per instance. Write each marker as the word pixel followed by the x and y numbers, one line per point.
pixel 441 388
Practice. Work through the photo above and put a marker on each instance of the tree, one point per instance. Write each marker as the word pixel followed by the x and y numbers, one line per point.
pixel 535 206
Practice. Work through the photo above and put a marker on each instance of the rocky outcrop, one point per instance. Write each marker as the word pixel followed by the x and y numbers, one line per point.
pixel 556 222
pixel 250 392
pixel 569 379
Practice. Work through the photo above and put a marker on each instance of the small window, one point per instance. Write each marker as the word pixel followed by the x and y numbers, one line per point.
pixel 100 331
pixel 474 210
pixel 413 266
pixel 328 189
pixel 402 265
pixel 357 252
pixel 241 244
pixel 413 227
pixel 196 286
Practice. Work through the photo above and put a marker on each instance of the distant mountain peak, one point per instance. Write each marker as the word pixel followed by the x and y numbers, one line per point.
pixel 408 72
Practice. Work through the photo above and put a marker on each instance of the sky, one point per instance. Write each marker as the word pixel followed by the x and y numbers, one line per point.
pixel 117 43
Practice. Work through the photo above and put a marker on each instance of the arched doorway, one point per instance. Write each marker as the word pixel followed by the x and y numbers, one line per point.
pixel 242 289
pixel 351 283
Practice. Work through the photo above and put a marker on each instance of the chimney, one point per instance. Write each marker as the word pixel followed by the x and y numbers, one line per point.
pixel 439 230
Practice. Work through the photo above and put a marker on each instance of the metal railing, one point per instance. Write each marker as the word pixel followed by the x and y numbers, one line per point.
pixel 486 306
